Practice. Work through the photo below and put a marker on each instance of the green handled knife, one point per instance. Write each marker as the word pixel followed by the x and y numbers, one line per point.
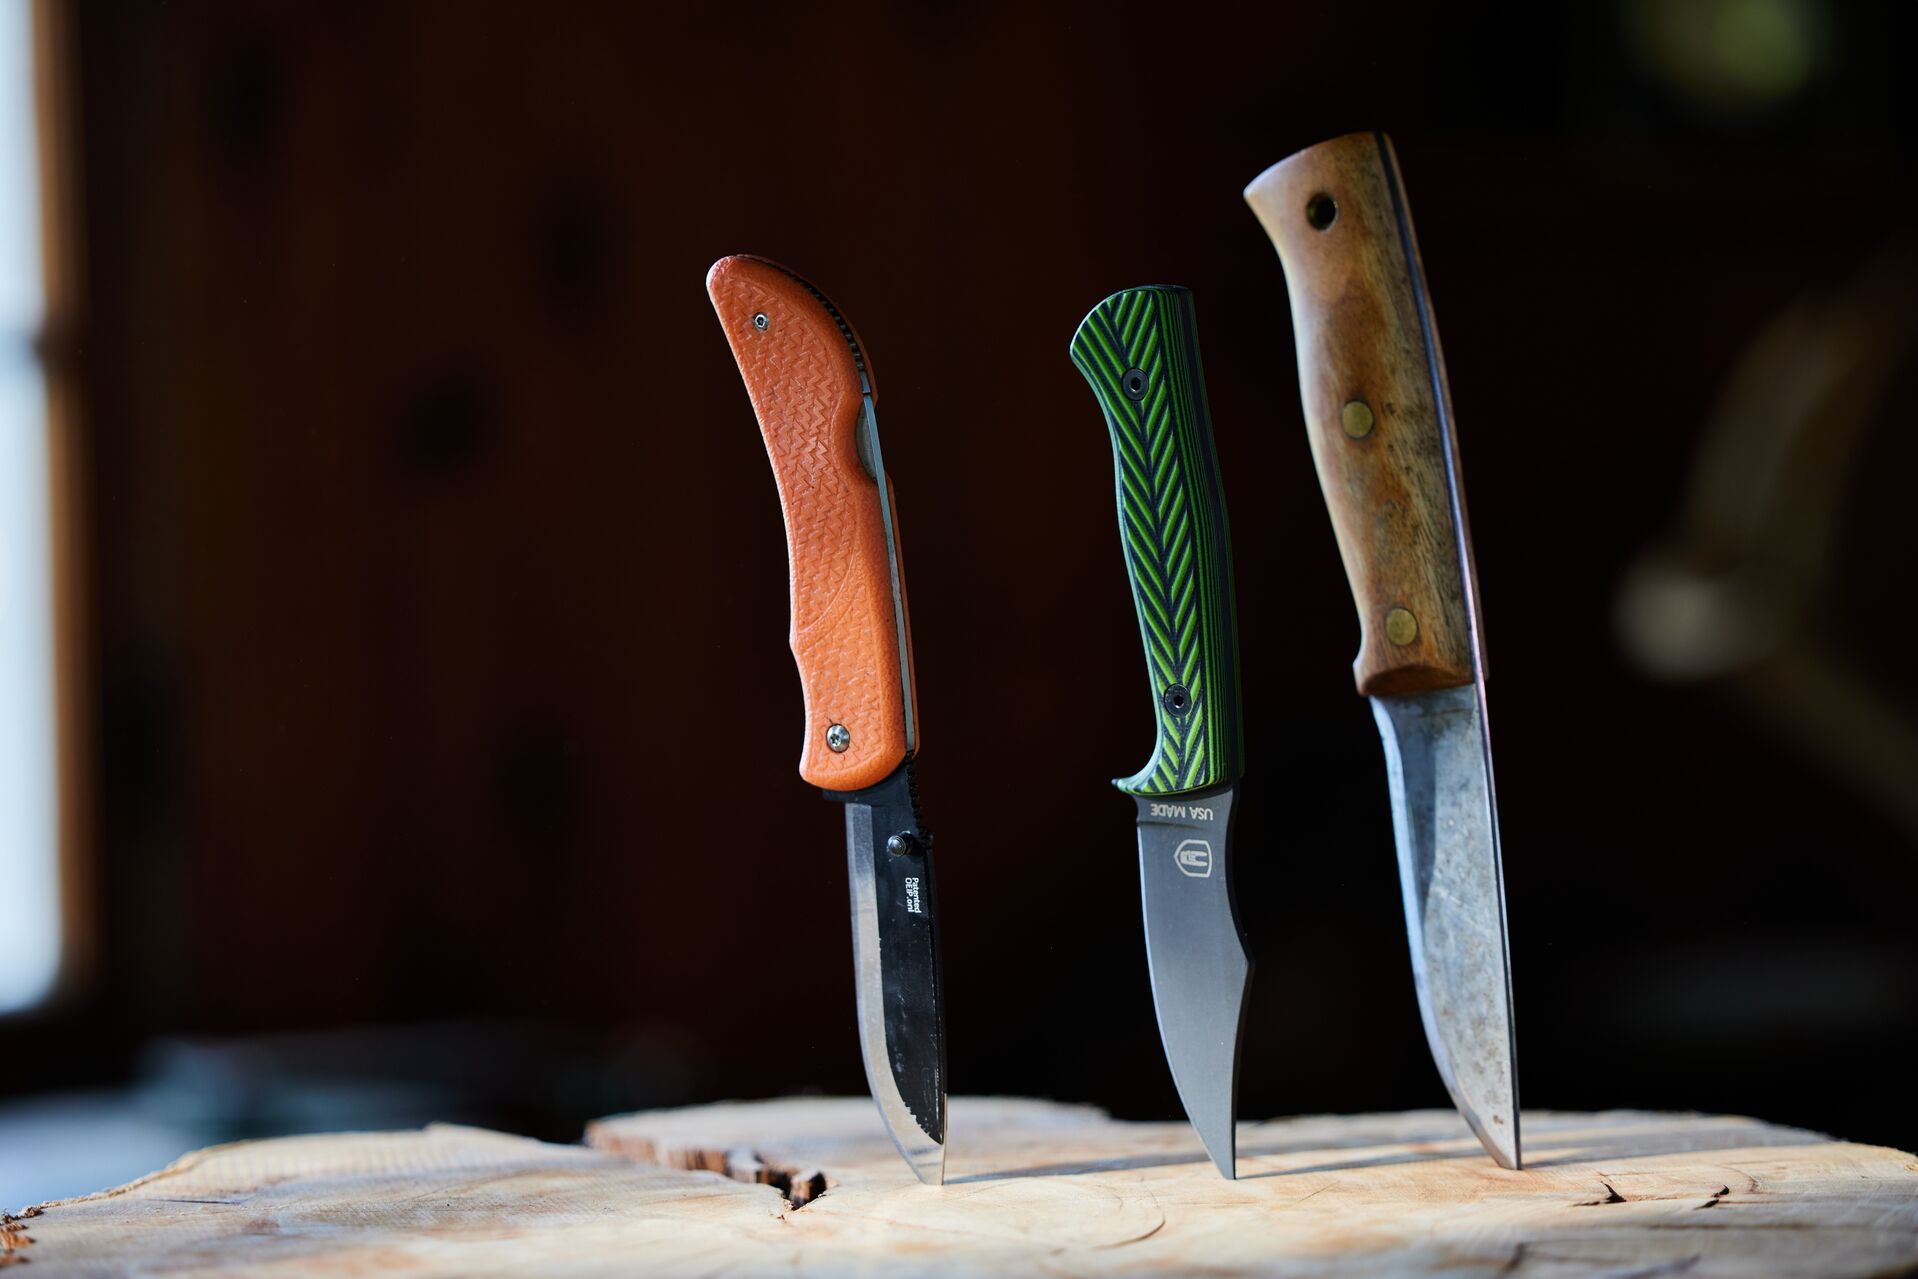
pixel 1139 349
pixel 1379 414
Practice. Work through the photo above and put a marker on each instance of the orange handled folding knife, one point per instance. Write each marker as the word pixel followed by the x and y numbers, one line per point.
pixel 812 391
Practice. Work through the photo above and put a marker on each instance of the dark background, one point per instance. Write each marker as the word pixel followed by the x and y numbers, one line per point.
pixel 444 727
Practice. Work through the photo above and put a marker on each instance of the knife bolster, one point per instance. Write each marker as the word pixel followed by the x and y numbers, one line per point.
pixel 1377 411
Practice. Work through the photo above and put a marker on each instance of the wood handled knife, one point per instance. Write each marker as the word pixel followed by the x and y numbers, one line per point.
pixel 1379 414
pixel 1139 350
pixel 813 394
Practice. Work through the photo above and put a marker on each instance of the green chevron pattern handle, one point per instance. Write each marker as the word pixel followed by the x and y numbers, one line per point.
pixel 1140 351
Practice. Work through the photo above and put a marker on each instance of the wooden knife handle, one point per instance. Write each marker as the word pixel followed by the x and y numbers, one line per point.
pixel 805 371
pixel 1372 381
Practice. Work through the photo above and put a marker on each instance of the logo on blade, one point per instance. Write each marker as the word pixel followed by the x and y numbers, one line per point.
pixel 1194 858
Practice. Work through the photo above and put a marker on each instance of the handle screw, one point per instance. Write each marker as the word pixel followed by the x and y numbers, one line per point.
pixel 1401 627
pixel 839 737
pixel 1321 211
pixel 760 321
pixel 902 844
pixel 1176 699
pixel 1356 418
pixel 1133 384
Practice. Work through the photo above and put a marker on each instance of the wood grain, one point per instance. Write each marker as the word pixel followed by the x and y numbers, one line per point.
pixel 1034 1187
pixel 1372 382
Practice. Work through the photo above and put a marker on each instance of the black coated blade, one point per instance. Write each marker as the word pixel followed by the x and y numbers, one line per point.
pixel 1200 969
pixel 902 1024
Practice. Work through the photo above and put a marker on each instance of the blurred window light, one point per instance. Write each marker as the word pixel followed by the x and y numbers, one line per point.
pixel 29 837
pixel 1731 58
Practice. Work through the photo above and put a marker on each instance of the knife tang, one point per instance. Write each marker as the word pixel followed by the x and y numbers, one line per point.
pixel 1377 409
pixel 1139 350
pixel 813 395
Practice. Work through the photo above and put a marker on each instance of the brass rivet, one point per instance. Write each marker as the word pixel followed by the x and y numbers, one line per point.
pixel 1356 418
pixel 1401 627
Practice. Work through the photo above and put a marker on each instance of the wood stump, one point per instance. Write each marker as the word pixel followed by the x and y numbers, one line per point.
pixel 812 1186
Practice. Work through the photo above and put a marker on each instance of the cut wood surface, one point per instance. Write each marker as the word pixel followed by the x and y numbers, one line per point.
pixel 813 1186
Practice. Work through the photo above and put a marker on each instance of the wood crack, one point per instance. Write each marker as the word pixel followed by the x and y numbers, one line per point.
pixel 1611 1197
pixel 14 1237
pixel 797 1186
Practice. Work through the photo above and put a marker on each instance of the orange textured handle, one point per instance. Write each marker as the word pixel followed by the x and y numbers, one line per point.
pixel 804 370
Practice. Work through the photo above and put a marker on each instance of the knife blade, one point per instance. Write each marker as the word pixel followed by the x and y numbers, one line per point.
pixel 1139 351
pixel 813 394
pixel 1379 415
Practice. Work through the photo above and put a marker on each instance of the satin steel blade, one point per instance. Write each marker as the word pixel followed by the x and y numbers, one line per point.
pixel 902 1025
pixel 1444 813
pixel 1200 968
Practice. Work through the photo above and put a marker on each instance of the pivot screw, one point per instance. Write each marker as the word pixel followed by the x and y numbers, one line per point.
pixel 760 321
pixel 902 844
pixel 1401 627
pixel 839 737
